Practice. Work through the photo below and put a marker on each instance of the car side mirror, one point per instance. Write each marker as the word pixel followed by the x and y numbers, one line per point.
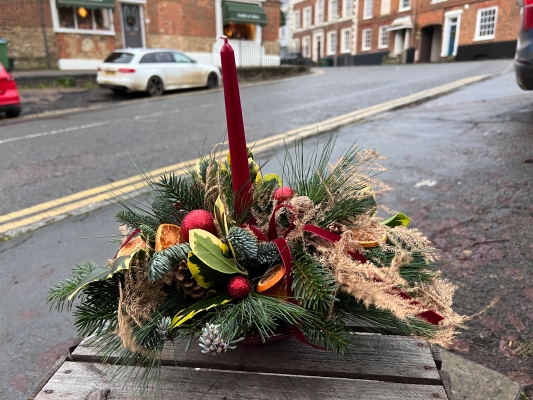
pixel 9 69
pixel 194 61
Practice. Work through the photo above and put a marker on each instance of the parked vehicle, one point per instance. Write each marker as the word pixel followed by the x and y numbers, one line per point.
pixel 9 95
pixel 523 64
pixel 153 71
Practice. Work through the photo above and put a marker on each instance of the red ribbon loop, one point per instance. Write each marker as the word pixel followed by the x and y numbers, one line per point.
pixel 272 229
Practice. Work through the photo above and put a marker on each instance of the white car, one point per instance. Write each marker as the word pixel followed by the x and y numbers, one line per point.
pixel 153 71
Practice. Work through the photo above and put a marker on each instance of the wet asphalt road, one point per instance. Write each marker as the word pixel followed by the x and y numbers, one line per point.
pixel 94 148
pixel 457 166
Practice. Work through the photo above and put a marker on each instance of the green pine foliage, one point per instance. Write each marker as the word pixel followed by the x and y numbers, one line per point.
pixel 166 211
pixel 313 285
pixel 59 293
pixel 244 243
pixel 414 272
pixel 177 190
pixel 135 219
pixel 162 261
pixel 267 253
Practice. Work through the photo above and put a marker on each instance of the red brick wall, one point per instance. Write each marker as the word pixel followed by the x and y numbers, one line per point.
pixel 23 13
pixel 271 30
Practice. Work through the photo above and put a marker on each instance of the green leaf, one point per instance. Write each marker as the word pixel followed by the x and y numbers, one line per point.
pixel 202 305
pixel 272 179
pixel 206 276
pixel 120 264
pixel 220 215
pixel 397 220
pixel 209 249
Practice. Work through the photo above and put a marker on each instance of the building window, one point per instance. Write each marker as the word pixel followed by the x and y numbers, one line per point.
pixel 367 39
pixel 405 5
pixel 297 20
pixel 307 17
pixel 367 11
pixel 240 31
pixel 306 48
pixel 320 11
pixel 333 10
pixel 348 8
pixel 383 37
pixel 346 39
pixel 332 42
pixel 486 23
pixel 88 20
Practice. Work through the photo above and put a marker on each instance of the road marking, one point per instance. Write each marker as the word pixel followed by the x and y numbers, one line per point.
pixel 48 114
pixel 97 124
pixel 78 203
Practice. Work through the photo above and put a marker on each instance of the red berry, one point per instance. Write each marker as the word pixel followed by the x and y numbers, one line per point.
pixel 197 219
pixel 239 287
pixel 283 194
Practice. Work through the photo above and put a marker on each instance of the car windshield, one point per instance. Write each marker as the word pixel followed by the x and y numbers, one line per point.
pixel 119 58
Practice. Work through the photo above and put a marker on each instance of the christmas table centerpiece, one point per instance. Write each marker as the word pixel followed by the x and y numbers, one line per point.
pixel 230 256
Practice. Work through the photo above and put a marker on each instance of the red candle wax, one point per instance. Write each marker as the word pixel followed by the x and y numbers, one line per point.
pixel 240 171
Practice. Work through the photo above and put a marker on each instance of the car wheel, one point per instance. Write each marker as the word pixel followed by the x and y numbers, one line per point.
pixel 155 86
pixel 212 80
pixel 13 112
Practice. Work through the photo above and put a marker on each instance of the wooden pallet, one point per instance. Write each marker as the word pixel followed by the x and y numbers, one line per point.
pixel 379 367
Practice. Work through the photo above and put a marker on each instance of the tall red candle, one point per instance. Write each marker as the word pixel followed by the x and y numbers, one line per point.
pixel 240 171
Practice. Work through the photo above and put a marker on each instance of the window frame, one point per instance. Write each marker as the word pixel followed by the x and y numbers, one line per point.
pixel 401 8
pixel 368 12
pixel 57 27
pixel 344 8
pixel 346 48
pixel 330 35
pixel 477 37
pixel 333 11
pixel 380 37
pixel 308 39
pixel 319 12
pixel 297 20
pixel 363 39
pixel 304 24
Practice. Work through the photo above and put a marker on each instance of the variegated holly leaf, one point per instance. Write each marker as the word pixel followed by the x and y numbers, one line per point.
pixel 102 273
pixel 210 250
pixel 203 305
pixel 220 216
pixel 206 276
pixel 272 179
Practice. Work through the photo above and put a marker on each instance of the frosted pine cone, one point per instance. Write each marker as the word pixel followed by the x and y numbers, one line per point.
pixel 211 341
pixel 302 207
pixel 188 283
pixel 335 227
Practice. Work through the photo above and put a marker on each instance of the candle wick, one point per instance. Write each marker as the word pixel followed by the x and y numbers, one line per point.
pixel 221 37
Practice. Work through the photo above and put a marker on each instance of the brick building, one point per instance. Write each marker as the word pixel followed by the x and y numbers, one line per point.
pixel 79 34
pixel 404 30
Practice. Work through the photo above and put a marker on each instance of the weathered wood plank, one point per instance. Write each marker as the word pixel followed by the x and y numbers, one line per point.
pixel 375 357
pixel 447 384
pixel 79 380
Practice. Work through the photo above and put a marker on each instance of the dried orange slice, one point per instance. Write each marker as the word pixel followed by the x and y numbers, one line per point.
pixel 272 276
pixel 370 243
pixel 131 246
pixel 279 290
pixel 167 235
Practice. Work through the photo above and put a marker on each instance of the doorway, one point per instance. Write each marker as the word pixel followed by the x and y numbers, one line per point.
pixel 132 25
pixel 430 43
pixel 452 26
pixel 318 47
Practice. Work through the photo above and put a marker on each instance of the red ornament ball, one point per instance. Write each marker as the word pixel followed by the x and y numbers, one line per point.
pixel 239 287
pixel 197 219
pixel 283 194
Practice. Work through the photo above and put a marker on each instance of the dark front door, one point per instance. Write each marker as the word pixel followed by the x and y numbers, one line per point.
pixel 453 32
pixel 132 25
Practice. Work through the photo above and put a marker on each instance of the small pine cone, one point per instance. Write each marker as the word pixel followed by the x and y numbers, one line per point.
pixel 188 283
pixel 338 228
pixel 302 206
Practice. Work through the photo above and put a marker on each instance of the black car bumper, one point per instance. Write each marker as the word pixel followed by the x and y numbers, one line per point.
pixel 9 107
pixel 524 75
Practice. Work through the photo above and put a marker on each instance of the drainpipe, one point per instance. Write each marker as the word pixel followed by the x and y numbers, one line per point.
pixel 47 52
pixel 412 38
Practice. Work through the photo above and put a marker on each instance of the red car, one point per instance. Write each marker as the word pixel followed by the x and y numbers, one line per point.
pixel 9 95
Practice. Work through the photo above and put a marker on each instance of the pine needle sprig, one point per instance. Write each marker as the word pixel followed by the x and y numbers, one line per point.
pixel 135 220
pixel 163 261
pixel 59 293
pixel 313 285
pixel 189 196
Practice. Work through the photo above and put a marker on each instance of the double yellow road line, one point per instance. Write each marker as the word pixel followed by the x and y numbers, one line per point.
pixel 31 218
